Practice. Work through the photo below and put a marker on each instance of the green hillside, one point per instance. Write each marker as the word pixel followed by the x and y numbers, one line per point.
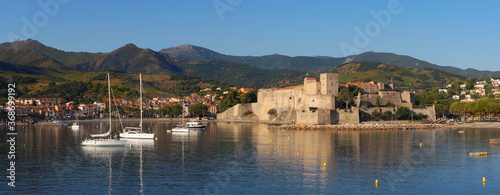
pixel 244 75
pixel 63 57
pixel 403 78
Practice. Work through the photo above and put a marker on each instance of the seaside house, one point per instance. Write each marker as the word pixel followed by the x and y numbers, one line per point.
pixel 468 100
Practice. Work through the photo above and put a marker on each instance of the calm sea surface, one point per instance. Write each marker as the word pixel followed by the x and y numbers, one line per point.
pixel 233 158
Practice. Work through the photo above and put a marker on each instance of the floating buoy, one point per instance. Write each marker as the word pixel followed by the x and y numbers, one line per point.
pixel 278 146
pixel 298 153
pixel 324 164
pixel 484 179
pixel 420 144
pixel 376 183
pixel 478 154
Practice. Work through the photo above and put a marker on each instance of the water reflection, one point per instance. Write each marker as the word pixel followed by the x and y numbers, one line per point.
pixel 237 157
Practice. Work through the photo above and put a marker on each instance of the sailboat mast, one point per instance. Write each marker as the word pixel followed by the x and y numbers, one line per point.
pixel 140 78
pixel 109 98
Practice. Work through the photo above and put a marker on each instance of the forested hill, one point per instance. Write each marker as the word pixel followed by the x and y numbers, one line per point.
pixel 403 78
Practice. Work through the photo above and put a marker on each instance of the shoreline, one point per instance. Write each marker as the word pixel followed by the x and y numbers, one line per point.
pixel 479 125
pixel 359 127
pixel 399 125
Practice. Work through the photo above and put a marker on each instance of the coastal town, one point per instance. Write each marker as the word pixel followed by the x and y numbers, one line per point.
pixel 59 108
pixel 366 101
pixel 476 90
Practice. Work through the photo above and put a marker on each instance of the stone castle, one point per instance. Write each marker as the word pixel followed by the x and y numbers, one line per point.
pixel 314 103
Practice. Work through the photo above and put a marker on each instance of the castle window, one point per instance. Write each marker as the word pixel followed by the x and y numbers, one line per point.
pixel 290 98
pixel 313 100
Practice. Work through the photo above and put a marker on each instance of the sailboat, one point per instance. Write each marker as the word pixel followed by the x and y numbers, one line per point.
pixel 105 142
pixel 136 132
pixel 75 125
pixel 181 128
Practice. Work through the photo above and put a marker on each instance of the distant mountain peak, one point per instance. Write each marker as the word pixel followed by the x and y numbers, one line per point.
pixel 131 46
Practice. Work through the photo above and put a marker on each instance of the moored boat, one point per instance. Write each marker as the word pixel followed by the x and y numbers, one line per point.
pixel 195 125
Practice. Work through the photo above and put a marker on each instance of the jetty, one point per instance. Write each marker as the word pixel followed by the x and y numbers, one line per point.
pixel 358 127
pixel 50 124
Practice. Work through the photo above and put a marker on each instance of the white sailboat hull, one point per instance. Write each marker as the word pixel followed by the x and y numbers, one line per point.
pixel 137 135
pixel 180 129
pixel 104 142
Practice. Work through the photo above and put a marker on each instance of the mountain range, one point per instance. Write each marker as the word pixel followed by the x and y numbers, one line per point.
pixel 190 53
pixel 33 58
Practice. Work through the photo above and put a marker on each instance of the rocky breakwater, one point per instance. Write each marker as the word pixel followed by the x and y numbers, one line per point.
pixel 358 127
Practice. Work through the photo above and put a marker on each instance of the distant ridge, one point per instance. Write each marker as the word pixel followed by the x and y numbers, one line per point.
pixel 191 53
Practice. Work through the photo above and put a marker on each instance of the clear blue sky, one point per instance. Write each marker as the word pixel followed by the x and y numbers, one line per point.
pixel 449 32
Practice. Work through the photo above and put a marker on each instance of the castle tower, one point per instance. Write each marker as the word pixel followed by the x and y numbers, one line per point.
pixel 311 86
pixel 329 84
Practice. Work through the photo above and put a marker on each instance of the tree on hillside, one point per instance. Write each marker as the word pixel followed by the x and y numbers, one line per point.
pixel 345 96
pixel 458 108
pixel 228 102
pixel 198 109
pixel 454 89
pixel 249 97
pixel 176 110
pixel 442 110
pixel 469 84
pixel 403 113
pixel 272 111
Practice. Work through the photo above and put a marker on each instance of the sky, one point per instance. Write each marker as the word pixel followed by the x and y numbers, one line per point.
pixel 464 34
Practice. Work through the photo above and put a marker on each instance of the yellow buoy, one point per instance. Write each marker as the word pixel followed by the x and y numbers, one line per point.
pixel 420 144
pixel 484 179
pixel 298 153
pixel 270 141
pixel 278 146
pixel 376 183
pixel 324 164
